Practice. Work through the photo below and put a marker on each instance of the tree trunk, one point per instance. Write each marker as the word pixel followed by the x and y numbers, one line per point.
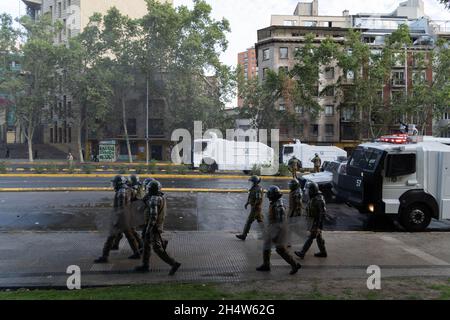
pixel 79 143
pixel 30 149
pixel 125 129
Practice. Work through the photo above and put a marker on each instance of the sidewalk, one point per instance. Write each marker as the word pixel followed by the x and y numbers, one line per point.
pixel 32 259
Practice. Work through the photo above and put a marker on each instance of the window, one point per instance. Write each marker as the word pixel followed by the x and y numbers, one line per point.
pixel 284 53
pixel 60 135
pixel 70 134
pixel 284 70
pixel 329 130
pixel 282 107
pixel 290 23
pixel 446 116
pixel 266 54
pixel 59 10
pixel 329 110
pixel 350 75
pixel 299 110
pixel 310 23
pixel 398 78
pixel 69 108
pixel 400 165
pixel 347 113
pixel 288 150
pixel 265 70
pixel 329 73
pixel 329 92
pixel 51 135
pixel 298 129
pixel 314 130
pixel 131 127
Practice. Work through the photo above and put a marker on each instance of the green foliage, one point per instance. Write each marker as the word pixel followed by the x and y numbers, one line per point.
pixel 123 169
pixel 256 170
pixel 182 169
pixel 40 169
pixel 88 169
pixel 284 170
pixel 53 169
pixel 3 168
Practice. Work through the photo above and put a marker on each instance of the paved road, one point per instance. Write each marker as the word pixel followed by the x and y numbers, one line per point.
pixel 90 211
pixel 48 182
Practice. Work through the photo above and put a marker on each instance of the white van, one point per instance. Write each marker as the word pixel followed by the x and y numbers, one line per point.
pixel 305 153
pixel 228 155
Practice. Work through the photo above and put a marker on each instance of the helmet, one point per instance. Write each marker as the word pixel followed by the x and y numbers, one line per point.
pixel 316 154
pixel 313 189
pixel 133 179
pixel 293 184
pixel 255 179
pixel 118 182
pixel 274 193
pixel 154 188
pixel 147 182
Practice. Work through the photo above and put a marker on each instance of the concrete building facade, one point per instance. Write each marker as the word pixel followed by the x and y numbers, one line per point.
pixel 247 61
pixel 278 43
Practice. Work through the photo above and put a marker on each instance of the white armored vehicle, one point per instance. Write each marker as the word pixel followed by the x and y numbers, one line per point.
pixel 400 178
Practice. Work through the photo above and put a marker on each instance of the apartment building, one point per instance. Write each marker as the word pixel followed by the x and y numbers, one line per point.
pixel 278 43
pixel 247 61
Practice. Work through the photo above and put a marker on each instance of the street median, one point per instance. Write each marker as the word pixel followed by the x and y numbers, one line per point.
pixel 105 189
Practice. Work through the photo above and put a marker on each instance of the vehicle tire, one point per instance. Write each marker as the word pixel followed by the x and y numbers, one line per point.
pixel 247 172
pixel 212 168
pixel 415 218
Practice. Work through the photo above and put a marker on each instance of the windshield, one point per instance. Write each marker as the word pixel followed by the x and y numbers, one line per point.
pixel 288 150
pixel 332 167
pixel 365 159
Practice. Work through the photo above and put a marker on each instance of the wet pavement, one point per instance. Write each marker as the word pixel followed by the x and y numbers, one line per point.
pixel 101 182
pixel 89 211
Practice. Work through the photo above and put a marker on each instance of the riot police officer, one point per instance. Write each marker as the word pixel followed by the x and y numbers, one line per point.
pixel 295 199
pixel 317 162
pixel 277 232
pixel 137 193
pixel 294 166
pixel 255 200
pixel 121 221
pixel 155 215
pixel 316 212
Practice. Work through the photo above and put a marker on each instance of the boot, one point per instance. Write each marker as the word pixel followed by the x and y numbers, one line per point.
pixel 241 237
pixel 174 269
pixel 135 256
pixel 321 245
pixel 295 268
pixel 305 248
pixel 266 262
pixel 165 244
pixel 144 269
pixel 102 259
pixel 289 259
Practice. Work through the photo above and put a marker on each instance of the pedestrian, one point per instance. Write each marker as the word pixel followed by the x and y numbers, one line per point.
pixel 277 232
pixel 35 154
pixel 155 216
pixel 255 200
pixel 70 159
pixel 7 153
pixel 121 221
pixel 294 165
pixel 317 162
pixel 316 212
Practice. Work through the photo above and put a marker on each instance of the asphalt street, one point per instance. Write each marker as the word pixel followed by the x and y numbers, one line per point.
pixel 90 211
pixel 50 182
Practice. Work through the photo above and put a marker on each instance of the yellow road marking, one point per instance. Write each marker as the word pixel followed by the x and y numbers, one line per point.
pixel 156 176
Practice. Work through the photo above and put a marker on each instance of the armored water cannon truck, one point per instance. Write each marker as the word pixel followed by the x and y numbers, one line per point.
pixel 408 180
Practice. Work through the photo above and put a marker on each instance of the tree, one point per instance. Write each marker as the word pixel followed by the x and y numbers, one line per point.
pixel 119 37
pixel 180 54
pixel 86 79
pixel 446 3
pixel 440 87
pixel 32 90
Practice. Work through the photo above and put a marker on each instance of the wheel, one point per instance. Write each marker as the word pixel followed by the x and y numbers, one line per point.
pixel 212 168
pixel 415 218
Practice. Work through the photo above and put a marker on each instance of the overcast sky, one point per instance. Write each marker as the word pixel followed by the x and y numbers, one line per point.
pixel 247 16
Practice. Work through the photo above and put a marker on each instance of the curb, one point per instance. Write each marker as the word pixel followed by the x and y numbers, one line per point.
pixel 97 189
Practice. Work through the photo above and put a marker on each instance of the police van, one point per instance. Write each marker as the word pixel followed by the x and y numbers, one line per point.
pixel 399 177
